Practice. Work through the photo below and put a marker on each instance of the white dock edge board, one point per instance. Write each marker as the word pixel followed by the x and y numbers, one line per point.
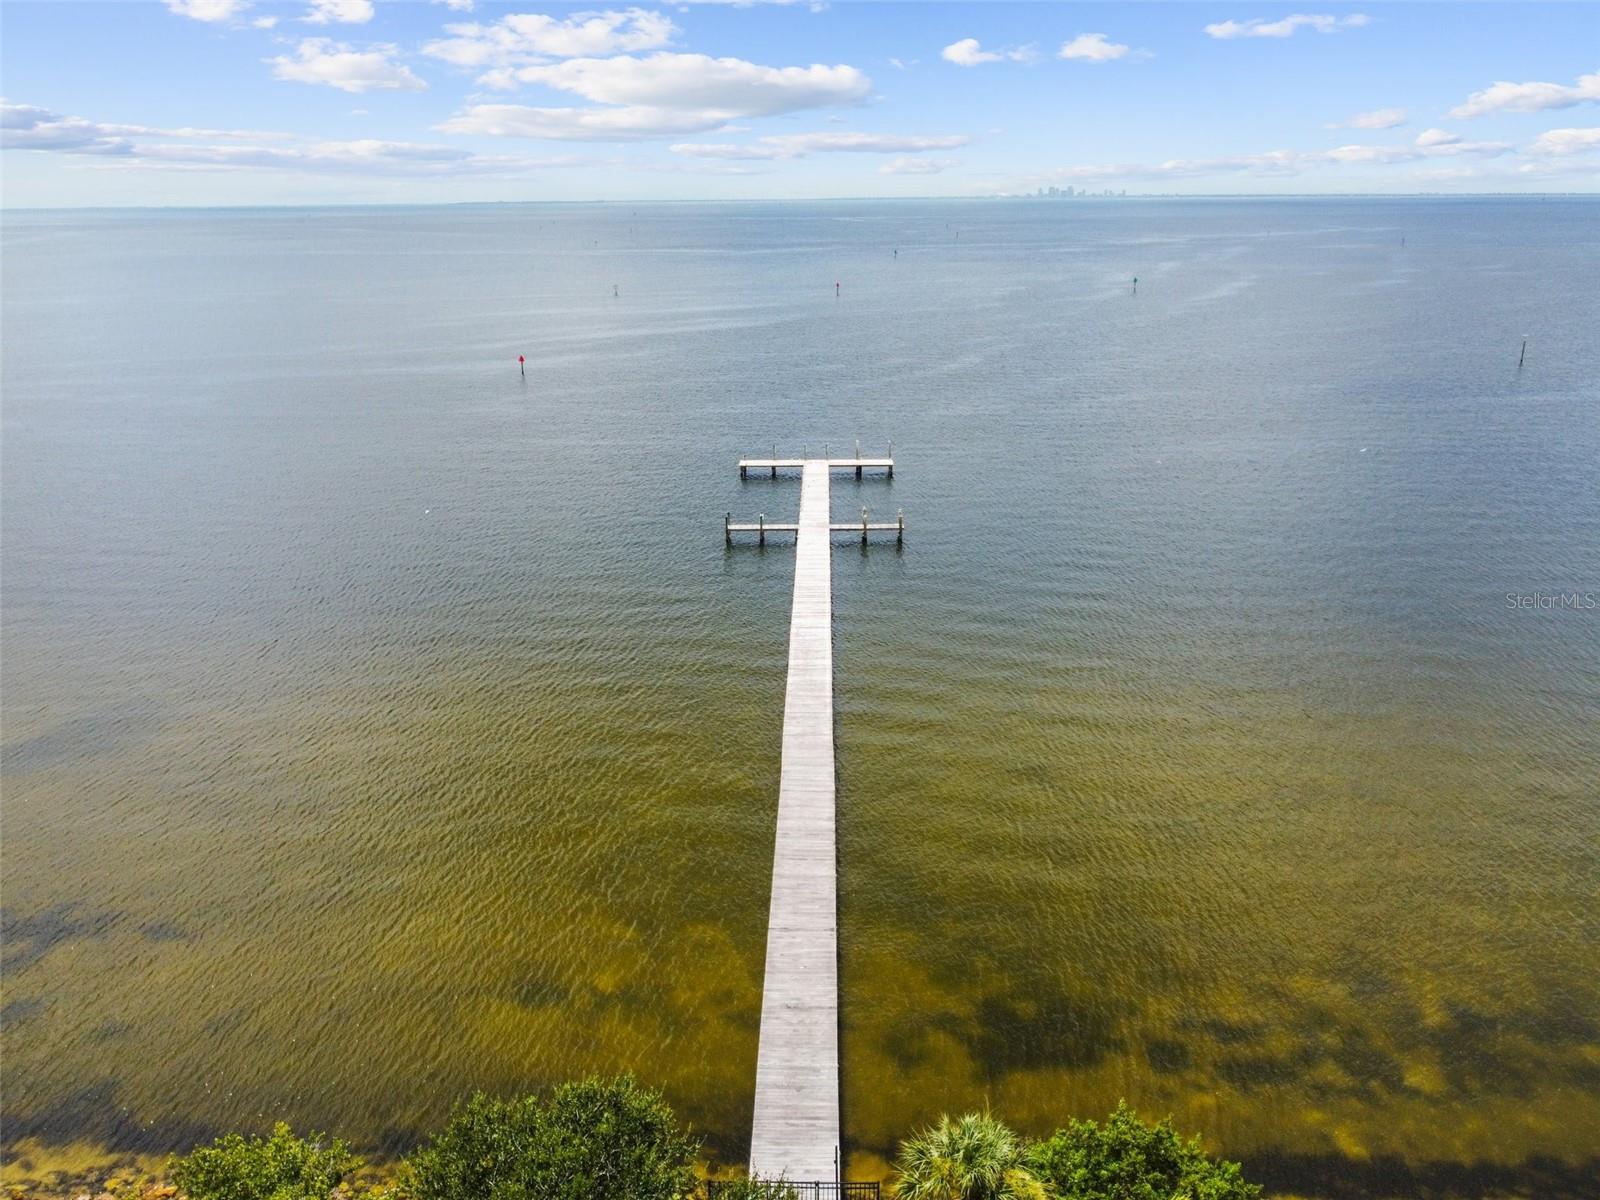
pixel 795 1134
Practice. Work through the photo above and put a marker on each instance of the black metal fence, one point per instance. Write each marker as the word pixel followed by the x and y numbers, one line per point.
pixel 797 1189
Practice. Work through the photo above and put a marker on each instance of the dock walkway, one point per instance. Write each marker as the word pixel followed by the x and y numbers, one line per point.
pixel 796 1130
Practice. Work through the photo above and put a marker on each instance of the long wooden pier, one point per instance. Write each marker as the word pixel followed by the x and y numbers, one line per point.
pixel 795 1135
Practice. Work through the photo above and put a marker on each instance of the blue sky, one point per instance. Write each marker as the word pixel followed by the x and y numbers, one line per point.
pixel 347 101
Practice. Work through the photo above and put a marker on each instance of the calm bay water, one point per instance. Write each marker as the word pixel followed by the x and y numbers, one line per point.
pixel 379 726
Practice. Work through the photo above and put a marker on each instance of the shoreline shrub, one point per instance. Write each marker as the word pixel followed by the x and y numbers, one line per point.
pixel 279 1167
pixel 973 1157
pixel 593 1140
pixel 1128 1159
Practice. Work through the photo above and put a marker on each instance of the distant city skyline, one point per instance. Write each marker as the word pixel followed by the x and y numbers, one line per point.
pixel 355 101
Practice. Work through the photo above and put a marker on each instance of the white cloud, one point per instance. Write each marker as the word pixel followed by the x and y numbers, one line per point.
pixel 1431 143
pixel 27 127
pixel 457 5
pixel 526 37
pixel 264 22
pixel 815 6
pixel 698 83
pixel 1553 168
pixel 1378 118
pixel 662 95
pixel 1284 163
pixel 630 123
pixel 968 53
pixel 1566 141
pixel 907 165
pixel 1092 47
pixel 208 10
pixel 799 145
pixel 1437 137
pixel 1529 97
pixel 320 60
pixel 339 12
pixel 1260 27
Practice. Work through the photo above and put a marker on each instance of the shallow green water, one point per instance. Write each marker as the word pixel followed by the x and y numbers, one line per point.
pixel 379 726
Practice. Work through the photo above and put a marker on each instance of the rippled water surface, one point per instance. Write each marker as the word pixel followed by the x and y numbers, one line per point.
pixel 379 725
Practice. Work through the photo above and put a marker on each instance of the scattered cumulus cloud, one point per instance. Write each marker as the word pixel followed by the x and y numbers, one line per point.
pixel 908 165
pixel 457 5
pixel 968 52
pixel 321 60
pixel 208 10
pixel 1378 118
pixel 1261 27
pixel 1092 47
pixel 339 12
pixel 1529 97
pixel 1561 142
pixel 264 22
pixel 800 145
pixel 532 37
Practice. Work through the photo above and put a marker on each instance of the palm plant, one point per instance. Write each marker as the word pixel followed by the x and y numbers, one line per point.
pixel 974 1157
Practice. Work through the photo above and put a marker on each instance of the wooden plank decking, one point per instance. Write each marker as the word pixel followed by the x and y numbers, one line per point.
pixel 796 1130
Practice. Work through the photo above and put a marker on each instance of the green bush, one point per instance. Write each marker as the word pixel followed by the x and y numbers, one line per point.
pixel 281 1167
pixel 972 1158
pixel 754 1188
pixel 1126 1159
pixel 595 1140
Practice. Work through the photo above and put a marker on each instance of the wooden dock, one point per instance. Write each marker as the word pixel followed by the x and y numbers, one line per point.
pixel 796 1131
pixel 858 464
pixel 763 527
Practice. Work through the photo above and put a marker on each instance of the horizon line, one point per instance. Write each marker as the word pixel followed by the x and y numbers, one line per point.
pixel 1101 195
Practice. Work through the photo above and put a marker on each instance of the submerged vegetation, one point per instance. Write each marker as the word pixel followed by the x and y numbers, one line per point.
pixel 617 1140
